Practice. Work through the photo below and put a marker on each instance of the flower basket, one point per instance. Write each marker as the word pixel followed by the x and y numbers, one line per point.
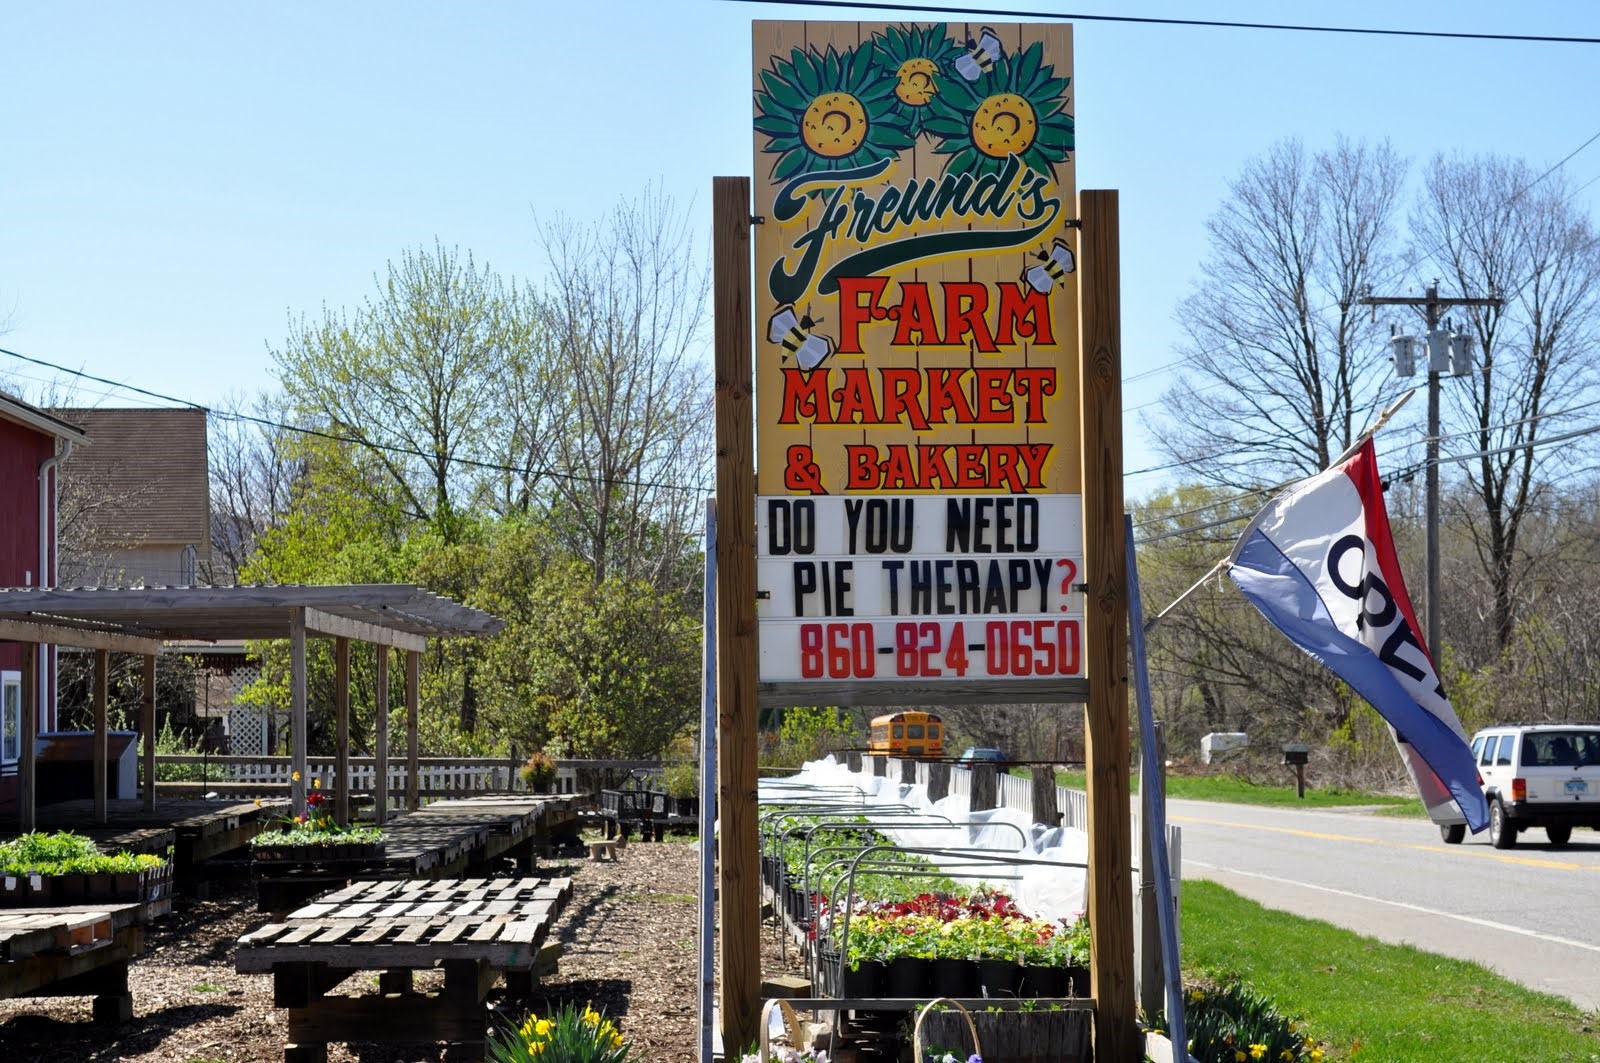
pixel 791 1024
pixel 919 1048
pixel 1016 1036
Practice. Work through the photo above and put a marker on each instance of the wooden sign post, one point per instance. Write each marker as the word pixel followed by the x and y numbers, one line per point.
pixel 739 875
pixel 937 472
pixel 1106 633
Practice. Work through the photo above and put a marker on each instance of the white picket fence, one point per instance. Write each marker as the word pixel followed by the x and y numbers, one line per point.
pixel 246 776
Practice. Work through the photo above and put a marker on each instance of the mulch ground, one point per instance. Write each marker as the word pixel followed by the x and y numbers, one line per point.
pixel 629 937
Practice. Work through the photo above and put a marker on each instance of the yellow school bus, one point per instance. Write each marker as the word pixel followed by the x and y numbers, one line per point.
pixel 908 734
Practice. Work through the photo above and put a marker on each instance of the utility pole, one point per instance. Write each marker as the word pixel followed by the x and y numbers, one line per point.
pixel 1439 346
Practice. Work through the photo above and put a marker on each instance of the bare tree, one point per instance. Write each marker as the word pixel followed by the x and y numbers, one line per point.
pixel 623 311
pixel 253 470
pixel 1493 226
pixel 1281 369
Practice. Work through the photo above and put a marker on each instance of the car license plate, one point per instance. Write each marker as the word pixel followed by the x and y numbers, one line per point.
pixel 1577 786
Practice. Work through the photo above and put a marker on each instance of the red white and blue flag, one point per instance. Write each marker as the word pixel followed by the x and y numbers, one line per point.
pixel 1319 563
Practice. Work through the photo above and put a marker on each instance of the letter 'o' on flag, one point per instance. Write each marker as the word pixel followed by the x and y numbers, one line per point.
pixel 1320 564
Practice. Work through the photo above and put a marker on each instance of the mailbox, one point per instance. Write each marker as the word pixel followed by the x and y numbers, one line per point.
pixel 1296 755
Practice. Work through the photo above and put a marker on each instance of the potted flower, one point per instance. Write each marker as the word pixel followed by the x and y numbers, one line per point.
pixel 539 772
pixel 866 972
pixel 566 1035
pixel 315 836
pixel 955 972
pixel 682 783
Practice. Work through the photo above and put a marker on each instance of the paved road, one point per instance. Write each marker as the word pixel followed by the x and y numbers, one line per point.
pixel 1528 913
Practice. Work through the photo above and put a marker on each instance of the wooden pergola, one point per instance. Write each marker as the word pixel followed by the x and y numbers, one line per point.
pixel 389 616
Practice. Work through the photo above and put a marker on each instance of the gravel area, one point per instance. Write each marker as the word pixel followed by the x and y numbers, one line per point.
pixel 628 935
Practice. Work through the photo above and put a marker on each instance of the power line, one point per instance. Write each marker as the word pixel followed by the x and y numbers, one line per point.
pixel 987 12
pixel 1402 474
pixel 390 448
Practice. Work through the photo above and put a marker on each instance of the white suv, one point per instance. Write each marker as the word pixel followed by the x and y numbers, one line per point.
pixel 1537 775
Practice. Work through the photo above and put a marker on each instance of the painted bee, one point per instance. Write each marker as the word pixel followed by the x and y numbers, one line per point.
pixel 794 334
pixel 980 56
pixel 1052 267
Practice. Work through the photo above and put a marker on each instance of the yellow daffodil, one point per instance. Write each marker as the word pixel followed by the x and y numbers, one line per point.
pixel 1286 1056
pixel 616 1040
pixel 542 1027
pixel 316 784
pixel 1238 1055
pixel 1316 1055
pixel 295 776
pixel 1294 1027
pixel 1258 1051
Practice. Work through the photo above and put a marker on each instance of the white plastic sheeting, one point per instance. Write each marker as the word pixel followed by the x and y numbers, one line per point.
pixel 1057 891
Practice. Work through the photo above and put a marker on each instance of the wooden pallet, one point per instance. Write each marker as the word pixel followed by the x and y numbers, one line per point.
pixel 475 929
pixel 385 925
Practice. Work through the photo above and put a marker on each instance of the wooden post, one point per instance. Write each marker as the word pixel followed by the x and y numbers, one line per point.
pixel 984 793
pixel 341 715
pixel 1046 809
pixel 1105 636
pixel 413 696
pixel 102 679
pixel 297 712
pixel 381 743
pixel 938 780
pixel 27 762
pixel 908 771
pixel 736 612
pixel 148 725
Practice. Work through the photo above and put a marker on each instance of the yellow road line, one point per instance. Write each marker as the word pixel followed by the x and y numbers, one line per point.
pixel 1477 854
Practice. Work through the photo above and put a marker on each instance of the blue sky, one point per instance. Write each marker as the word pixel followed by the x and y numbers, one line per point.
pixel 176 180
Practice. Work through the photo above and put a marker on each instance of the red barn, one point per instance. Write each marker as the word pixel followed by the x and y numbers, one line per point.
pixel 32 443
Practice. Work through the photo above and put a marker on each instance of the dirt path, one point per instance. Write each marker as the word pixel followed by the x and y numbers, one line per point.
pixel 628 935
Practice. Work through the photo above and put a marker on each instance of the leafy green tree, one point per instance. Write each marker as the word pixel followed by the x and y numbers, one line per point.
pixel 416 375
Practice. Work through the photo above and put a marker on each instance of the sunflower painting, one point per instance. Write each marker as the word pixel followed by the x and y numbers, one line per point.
pixel 829 110
pixel 911 56
pixel 1019 107
pixel 915 184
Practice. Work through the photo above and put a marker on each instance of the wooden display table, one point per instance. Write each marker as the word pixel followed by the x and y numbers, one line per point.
pixel 475 929
pixel 75 950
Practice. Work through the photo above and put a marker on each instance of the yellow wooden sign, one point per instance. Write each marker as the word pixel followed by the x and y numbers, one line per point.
pixel 918 327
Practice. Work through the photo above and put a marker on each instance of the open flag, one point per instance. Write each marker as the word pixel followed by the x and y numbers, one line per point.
pixel 1319 563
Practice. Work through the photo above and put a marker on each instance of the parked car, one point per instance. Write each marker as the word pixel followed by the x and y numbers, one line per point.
pixel 981 754
pixel 1536 775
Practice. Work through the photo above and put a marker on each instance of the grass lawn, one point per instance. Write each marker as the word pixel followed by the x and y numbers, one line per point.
pixel 1243 791
pixel 1368 1001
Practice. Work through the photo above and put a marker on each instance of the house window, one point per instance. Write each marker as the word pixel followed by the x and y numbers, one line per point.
pixel 10 717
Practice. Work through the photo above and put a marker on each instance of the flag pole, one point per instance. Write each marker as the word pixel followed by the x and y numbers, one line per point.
pixel 1383 418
